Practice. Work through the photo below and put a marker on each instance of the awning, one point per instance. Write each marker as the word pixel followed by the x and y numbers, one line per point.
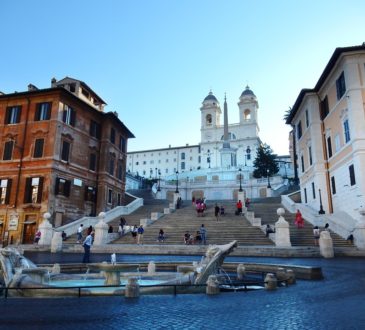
pixel 30 222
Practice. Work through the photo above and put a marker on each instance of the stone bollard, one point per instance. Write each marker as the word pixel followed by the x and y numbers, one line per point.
pixel 151 268
pixel 281 274
pixel 326 245
pixel 291 276
pixel 46 230
pixel 270 282
pixel 56 244
pixel 132 288
pixel 212 285
pixel 241 271
pixel 282 234
pixel 101 231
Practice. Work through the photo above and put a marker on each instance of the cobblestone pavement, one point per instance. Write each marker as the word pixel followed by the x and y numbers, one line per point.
pixel 337 302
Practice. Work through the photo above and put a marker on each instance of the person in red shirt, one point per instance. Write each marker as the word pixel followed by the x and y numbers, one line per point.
pixel 239 207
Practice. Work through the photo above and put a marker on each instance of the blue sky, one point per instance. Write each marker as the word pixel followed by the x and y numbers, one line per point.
pixel 154 61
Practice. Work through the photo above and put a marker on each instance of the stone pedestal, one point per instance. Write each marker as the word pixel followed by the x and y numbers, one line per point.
pixel 268 192
pixel 56 244
pixel 241 197
pixel 359 231
pixel 282 233
pixel 132 288
pixel 291 276
pixel 326 245
pixel 176 196
pixel 270 282
pixel 151 268
pixel 212 285
pixel 46 230
pixel 241 271
pixel 101 231
pixel 281 274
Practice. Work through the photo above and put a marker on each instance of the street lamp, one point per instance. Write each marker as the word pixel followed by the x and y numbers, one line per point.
pixel 208 159
pixel 240 190
pixel 321 211
pixel 156 173
pixel 177 182
pixel 268 179
pixel 159 180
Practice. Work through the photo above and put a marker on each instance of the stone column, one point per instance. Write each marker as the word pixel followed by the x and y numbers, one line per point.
pixel 132 288
pixel 326 245
pixel 101 231
pixel 359 231
pixel 241 197
pixel 56 244
pixel 268 192
pixel 270 282
pixel 176 196
pixel 212 285
pixel 46 230
pixel 282 233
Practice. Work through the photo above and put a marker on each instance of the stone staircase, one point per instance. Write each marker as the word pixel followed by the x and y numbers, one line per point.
pixel 266 210
pixel 229 227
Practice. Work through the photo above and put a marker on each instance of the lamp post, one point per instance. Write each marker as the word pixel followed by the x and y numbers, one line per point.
pixel 240 190
pixel 208 158
pixel 159 180
pixel 151 171
pixel 268 179
pixel 156 173
pixel 177 182
pixel 321 211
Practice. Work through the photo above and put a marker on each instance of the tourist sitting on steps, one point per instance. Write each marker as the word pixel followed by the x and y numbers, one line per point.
pixel 197 238
pixel 188 239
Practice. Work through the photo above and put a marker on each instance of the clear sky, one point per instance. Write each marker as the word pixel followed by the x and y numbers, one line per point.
pixel 155 61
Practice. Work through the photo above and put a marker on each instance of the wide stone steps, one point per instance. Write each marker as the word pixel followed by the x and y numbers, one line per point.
pixel 298 236
pixel 229 227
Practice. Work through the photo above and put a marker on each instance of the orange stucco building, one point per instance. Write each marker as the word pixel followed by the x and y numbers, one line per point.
pixel 59 153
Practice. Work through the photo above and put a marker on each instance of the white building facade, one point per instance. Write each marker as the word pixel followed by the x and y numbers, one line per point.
pixel 243 136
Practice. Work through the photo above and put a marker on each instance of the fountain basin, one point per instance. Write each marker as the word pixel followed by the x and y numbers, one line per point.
pixel 112 272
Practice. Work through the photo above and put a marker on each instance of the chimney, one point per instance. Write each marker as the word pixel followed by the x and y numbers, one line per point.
pixel 31 87
pixel 53 82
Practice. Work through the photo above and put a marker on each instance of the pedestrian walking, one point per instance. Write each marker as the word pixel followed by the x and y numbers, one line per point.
pixel 316 235
pixel 299 221
pixel 87 246
pixel 79 233
pixel 203 234
pixel 134 233
pixel 140 232
pixel 216 211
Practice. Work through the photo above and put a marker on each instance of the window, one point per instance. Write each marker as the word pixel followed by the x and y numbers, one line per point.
pixel 112 135
pixel 62 187
pixel 182 166
pixel 167 160
pixel 92 162
pixel 12 115
pixel 95 129
pixel 306 118
pixel 299 130
pixel 119 199
pixel 43 111
pixel 122 144
pixel 337 142
pixel 352 175
pixel 38 148
pixel 33 190
pixel 69 115
pixel 302 160
pixel 5 186
pixel 144 162
pixel 183 155
pixel 324 108
pixel 111 164
pixel 333 184
pixel 90 194
pixel 310 155
pixel 137 163
pixel 313 191
pixel 208 119
pixel 110 196
pixel 340 86
pixel 329 147
pixel 120 170
pixel 346 130
pixel 166 170
pixel 8 150
pixel 65 152
pixel 305 195
pixel 199 159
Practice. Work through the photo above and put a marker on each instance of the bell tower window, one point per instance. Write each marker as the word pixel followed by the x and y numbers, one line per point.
pixel 247 114
pixel 208 119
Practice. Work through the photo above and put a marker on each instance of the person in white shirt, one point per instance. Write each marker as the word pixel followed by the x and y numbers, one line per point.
pixel 87 246
pixel 79 233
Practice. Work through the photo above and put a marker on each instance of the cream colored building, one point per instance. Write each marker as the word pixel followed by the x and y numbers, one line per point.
pixel 329 122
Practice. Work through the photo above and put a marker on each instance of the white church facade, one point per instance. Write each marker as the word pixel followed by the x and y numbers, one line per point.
pixel 243 138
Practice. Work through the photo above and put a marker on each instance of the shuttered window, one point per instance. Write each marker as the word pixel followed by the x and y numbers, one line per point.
pixel 65 153
pixel 5 188
pixel 69 115
pixel 38 148
pixel 33 190
pixel 62 187
pixel 43 111
pixel 12 115
pixel 8 150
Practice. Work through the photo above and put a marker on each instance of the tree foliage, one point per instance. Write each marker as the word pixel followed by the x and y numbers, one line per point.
pixel 265 160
